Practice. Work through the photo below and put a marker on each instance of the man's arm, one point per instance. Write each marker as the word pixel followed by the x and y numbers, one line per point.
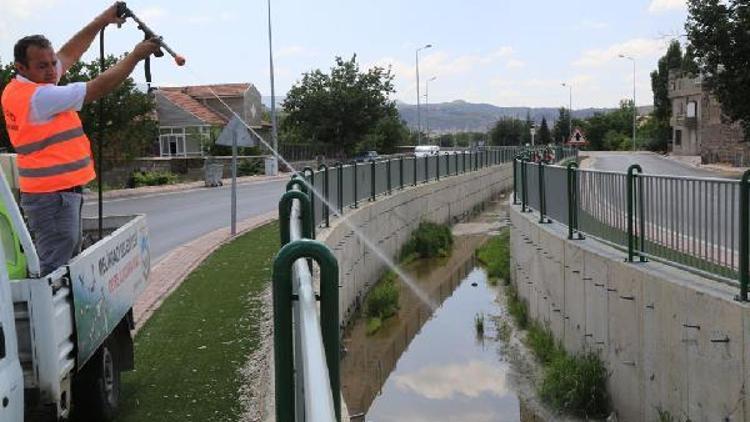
pixel 72 51
pixel 115 75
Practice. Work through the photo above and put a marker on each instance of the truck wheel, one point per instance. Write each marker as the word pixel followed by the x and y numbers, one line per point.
pixel 97 388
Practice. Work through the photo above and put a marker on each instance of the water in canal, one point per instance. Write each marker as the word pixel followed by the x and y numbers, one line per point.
pixel 433 366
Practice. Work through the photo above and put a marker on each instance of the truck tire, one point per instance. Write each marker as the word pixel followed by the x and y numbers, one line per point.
pixel 96 390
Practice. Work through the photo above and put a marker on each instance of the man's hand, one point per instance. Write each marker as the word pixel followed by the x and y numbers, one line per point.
pixel 109 16
pixel 146 48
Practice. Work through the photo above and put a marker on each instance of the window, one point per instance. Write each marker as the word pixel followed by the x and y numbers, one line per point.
pixel 172 141
pixel 692 109
pixel 678 137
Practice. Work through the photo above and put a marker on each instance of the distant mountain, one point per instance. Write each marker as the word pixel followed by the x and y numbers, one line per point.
pixel 462 116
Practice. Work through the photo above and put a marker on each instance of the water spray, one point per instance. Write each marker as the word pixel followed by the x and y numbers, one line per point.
pixel 368 243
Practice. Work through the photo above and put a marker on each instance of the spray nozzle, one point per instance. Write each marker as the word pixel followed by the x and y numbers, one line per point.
pixel 124 12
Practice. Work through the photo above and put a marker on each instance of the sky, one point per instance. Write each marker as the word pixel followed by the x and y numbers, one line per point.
pixel 501 52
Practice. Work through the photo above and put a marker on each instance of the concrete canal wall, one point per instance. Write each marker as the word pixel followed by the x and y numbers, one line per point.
pixel 672 341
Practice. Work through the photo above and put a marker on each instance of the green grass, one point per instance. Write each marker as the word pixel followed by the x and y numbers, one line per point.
pixel 516 307
pixel 570 384
pixel 382 302
pixel 189 353
pixel 495 257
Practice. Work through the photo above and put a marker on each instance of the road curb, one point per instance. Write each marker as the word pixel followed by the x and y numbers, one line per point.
pixel 174 268
pixel 181 187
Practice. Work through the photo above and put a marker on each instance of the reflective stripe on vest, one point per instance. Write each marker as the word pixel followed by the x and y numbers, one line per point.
pixel 52 156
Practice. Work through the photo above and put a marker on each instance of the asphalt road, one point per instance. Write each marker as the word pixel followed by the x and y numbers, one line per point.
pixel 179 217
pixel 651 164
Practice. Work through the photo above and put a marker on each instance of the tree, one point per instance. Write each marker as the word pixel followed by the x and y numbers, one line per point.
pixel 130 130
pixel 345 108
pixel 6 73
pixel 717 31
pixel 544 135
pixel 561 130
pixel 671 61
pixel 508 131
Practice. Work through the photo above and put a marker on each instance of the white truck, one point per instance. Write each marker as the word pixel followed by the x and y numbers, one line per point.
pixel 66 336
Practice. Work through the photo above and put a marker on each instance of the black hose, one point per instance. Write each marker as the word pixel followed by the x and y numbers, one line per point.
pixel 100 142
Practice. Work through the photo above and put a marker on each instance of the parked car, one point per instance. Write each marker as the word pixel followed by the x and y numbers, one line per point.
pixel 366 156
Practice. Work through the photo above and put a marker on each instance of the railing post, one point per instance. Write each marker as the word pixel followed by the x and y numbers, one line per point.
pixel 455 160
pixel 744 235
pixel 573 202
pixel 340 187
pixel 388 170
pixel 415 170
pixel 401 173
pixel 372 180
pixel 515 182
pixel 355 183
pixel 524 187
pixel 542 196
pixel 326 211
pixel 632 241
pixel 437 167
pixel 310 174
pixel 283 328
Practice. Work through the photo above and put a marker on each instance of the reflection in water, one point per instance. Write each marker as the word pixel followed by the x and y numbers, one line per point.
pixel 442 374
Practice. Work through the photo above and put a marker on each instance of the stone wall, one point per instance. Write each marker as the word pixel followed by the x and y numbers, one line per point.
pixel 671 341
pixel 721 142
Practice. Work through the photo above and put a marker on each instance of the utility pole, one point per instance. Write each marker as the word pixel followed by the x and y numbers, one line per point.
pixel 635 109
pixel 419 116
pixel 274 133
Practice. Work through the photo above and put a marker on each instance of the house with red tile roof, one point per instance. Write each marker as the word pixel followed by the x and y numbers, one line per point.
pixel 191 117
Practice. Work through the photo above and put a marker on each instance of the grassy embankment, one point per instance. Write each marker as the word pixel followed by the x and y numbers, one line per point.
pixel 189 354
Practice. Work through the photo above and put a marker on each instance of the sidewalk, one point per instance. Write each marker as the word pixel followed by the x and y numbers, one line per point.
pixel 178 187
pixel 723 169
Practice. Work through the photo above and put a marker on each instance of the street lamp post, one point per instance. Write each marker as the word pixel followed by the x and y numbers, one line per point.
pixel 635 109
pixel 419 116
pixel 427 104
pixel 274 133
pixel 570 108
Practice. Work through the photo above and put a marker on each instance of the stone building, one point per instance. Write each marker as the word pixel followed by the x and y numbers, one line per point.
pixel 698 128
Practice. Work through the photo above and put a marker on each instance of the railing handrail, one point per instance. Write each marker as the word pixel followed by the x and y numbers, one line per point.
pixel 315 369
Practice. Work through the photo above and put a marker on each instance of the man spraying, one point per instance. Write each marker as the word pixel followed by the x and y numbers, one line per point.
pixel 54 154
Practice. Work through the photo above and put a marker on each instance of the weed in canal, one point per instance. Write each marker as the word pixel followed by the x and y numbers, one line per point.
pixel 504 331
pixel 576 384
pixel 479 324
pixel 495 257
pixel 571 384
pixel 429 240
pixel 382 302
pixel 516 307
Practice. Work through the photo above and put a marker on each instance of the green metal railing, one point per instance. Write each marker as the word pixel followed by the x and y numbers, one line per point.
pixel 308 386
pixel 701 225
pixel 345 186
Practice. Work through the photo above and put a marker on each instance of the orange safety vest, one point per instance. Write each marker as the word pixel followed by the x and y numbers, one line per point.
pixel 52 156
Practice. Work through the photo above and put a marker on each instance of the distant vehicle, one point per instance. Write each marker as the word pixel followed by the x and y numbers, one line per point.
pixel 366 156
pixel 426 150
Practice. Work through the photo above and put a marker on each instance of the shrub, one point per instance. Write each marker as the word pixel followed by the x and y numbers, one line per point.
pixel 249 167
pixel 373 325
pixel 494 255
pixel 382 301
pixel 153 178
pixel 542 343
pixel 576 384
pixel 429 240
